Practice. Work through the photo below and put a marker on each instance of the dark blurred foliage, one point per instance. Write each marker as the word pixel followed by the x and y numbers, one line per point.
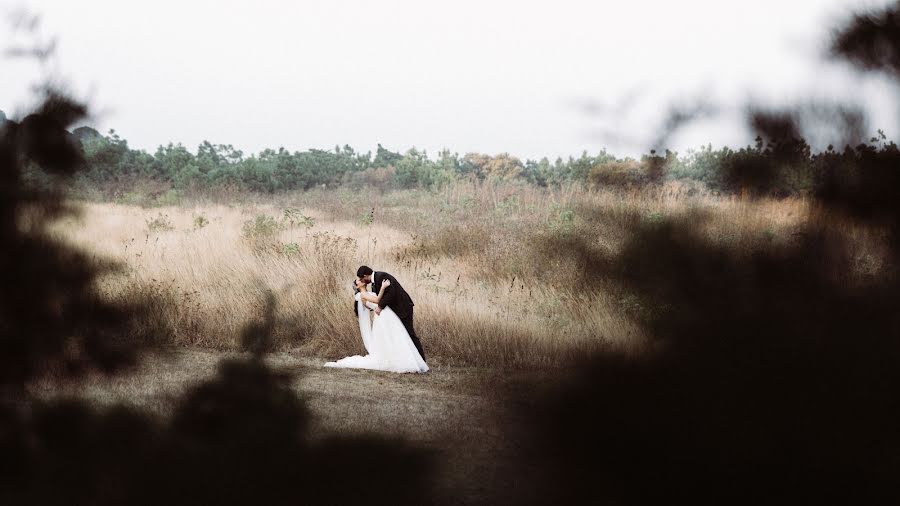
pixel 680 115
pixel 773 379
pixel 773 374
pixel 871 41
pixel 51 316
pixel 52 319
pixel 257 336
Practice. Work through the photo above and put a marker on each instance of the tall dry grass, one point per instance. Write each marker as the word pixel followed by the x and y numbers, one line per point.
pixel 501 275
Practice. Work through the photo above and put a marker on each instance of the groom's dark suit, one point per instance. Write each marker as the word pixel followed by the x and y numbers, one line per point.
pixel 400 302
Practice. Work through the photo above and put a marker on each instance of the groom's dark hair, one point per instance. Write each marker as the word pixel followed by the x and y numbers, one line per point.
pixel 363 271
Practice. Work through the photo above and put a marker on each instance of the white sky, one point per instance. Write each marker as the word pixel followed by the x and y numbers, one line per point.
pixel 468 75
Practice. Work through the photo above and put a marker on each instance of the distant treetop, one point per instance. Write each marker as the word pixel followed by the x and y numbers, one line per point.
pixel 86 132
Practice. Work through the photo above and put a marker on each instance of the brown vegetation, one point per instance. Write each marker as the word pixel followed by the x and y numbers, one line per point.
pixel 502 275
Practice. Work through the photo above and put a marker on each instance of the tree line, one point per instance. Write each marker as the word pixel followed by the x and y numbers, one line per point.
pixel 787 165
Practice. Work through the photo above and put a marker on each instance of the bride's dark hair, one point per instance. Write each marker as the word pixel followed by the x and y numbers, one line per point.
pixel 355 291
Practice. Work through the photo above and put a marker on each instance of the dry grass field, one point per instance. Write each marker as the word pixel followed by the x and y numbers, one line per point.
pixel 501 275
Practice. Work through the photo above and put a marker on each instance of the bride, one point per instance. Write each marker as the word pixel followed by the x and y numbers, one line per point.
pixel 386 340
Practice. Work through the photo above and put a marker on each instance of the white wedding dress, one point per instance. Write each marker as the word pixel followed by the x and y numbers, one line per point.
pixel 386 341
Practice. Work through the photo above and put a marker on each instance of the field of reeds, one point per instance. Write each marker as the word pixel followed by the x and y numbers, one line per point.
pixel 502 275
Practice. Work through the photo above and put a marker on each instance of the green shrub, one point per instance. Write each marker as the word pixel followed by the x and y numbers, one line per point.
pixel 562 219
pixel 293 217
pixel 290 248
pixel 261 227
pixel 161 223
pixel 200 221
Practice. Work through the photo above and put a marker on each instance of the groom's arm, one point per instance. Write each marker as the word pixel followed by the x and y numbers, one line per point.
pixel 388 297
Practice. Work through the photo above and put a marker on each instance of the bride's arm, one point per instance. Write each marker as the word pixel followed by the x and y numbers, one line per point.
pixel 376 298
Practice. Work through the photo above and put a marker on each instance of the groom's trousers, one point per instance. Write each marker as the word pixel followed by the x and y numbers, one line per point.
pixel 408 323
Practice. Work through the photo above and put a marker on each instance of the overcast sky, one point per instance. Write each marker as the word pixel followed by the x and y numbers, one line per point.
pixel 522 77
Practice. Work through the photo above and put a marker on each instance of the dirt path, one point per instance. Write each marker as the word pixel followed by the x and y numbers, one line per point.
pixel 462 413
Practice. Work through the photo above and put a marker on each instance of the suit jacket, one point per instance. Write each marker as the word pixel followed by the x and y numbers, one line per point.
pixel 394 296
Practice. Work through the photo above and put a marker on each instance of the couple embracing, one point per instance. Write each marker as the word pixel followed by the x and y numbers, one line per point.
pixel 389 337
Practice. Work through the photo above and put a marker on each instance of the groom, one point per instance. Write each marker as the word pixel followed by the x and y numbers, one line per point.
pixel 394 297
